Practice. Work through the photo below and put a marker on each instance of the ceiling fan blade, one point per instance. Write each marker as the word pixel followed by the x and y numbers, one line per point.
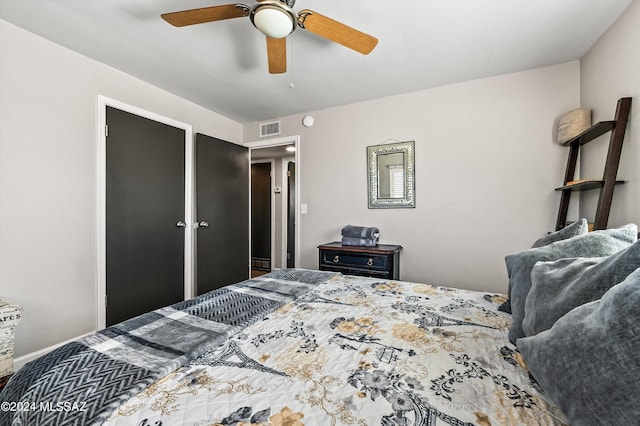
pixel 277 55
pixel 205 14
pixel 337 32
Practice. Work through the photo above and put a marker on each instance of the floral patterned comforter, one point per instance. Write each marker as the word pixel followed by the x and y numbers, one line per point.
pixel 357 351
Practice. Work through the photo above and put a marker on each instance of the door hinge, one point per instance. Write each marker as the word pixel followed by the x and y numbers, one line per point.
pixel 106 130
pixel 288 173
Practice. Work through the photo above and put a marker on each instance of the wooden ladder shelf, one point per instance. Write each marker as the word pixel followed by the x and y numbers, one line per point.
pixel 617 127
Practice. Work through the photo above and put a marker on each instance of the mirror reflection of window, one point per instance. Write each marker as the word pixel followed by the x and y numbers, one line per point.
pixel 391 175
pixel 396 184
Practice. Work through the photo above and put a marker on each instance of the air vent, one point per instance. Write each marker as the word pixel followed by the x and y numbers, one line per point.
pixel 269 129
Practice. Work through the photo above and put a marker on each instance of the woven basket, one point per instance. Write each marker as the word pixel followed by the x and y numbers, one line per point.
pixel 573 123
pixel 10 314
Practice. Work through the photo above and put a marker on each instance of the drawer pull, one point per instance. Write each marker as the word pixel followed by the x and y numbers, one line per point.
pixel 370 262
pixel 336 259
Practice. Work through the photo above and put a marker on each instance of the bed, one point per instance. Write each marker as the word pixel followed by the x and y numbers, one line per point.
pixel 303 347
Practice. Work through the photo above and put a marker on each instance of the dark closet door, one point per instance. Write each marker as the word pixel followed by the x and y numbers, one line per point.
pixel 145 208
pixel 261 216
pixel 222 206
pixel 291 214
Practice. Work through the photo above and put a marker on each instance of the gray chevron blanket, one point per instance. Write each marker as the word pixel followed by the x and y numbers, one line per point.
pixel 83 382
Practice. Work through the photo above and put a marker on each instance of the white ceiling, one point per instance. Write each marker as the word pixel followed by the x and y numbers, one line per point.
pixel 222 65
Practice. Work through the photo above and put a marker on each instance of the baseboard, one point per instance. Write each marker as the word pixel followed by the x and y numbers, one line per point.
pixel 20 361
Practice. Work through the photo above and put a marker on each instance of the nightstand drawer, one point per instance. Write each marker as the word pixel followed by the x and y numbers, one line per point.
pixel 351 260
pixel 381 261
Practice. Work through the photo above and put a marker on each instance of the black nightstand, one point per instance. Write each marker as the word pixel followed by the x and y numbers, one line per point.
pixel 381 261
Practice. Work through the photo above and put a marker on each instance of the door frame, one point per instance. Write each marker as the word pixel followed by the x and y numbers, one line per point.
pixel 287 140
pixel 102 102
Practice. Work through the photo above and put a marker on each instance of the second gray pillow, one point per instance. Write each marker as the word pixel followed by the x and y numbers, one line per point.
pixel 559 286
pixel 519 265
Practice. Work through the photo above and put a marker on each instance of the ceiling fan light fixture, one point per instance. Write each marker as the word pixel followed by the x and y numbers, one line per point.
pixel 273 18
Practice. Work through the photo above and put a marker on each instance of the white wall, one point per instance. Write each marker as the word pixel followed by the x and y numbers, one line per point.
pixel 48 178
pixel 611 70
pixel 486 167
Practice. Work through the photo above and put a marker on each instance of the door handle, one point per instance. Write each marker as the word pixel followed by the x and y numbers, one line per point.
pixel 181 224
pixel 203 224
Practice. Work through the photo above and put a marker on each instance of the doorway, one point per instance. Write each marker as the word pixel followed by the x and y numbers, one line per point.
pixel 283 154
pixel 262 216
pixel 175 224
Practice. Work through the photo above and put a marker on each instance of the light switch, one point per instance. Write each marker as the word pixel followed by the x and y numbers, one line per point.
pixel 303 208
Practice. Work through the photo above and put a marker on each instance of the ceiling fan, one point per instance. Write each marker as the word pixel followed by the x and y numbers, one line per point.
pixel 276 20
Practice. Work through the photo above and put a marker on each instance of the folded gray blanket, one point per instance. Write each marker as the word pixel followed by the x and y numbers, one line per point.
pixel 368 232
pixel 367 242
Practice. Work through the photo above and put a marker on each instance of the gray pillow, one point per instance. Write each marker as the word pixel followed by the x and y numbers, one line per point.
pixel 580 227
pixel 559 286
pixel 588 363
pixel 519 265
